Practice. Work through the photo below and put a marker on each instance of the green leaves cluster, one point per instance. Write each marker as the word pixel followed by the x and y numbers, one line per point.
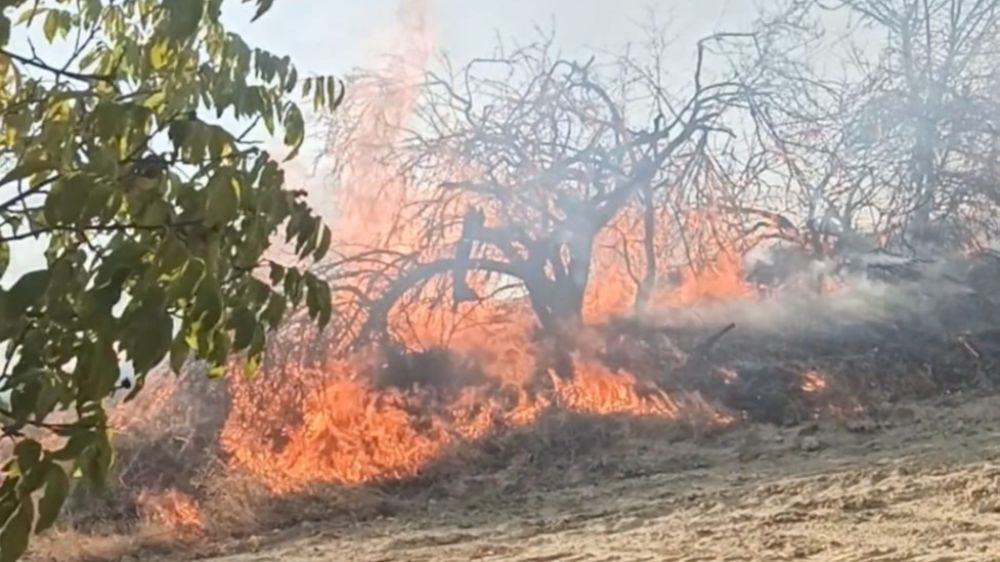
pixel 156 219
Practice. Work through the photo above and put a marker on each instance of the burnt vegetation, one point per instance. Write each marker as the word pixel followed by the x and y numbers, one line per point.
pixel 527 179
pixel 857 207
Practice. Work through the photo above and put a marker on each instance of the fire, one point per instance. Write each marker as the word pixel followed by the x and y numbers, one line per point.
pixel 721 280
pixel 595 389
pixel 351 432
pixel 813 381
pixel 320 415
pixel 176 511
pixel 329 420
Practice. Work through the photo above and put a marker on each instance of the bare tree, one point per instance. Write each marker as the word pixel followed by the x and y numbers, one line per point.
pixel 519 162
pixel 902 143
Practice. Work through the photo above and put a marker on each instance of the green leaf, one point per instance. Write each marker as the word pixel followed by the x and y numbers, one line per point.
pixel 155 100
pixel 184 17
pixel 294 130
pixel 14 537
pixel 48 397
pixel 277 273
pixel 51 26
pixel 179 352
pixel 24 396
pixel 79 441
pixel 262 8
pixel 333 100
pixel 251 367
pixel 159 55
pixel 97 370
pixel 8 498
pixel 220 349
pixel 56 490
pixel 28 452
pixel 149 331
pixel 223 200
pixel 27 292
pixel 4 30
pixel 24 170
pixel 96 460
pixel 164 243
pixel 4 257
pixel 243 323
pixel 27 15
pixel 184 286
pixel 99 199
pixel 258 342
pixel 318 300
pixel 67 199
pixel 275 310
pixel 326 238
pixel 208 305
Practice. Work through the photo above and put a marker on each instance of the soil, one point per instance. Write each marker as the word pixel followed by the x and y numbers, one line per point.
pixel 915 482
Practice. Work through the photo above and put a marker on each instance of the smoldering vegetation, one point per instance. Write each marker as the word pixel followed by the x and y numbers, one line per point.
pixel 542 265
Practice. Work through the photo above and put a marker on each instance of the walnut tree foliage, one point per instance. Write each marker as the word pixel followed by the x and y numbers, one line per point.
pixel 154 217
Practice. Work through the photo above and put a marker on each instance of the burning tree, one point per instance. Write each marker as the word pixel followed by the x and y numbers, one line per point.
pixel 472 206
pixel 511 171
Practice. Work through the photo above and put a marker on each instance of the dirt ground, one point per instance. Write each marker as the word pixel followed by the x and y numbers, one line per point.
pixel 914 483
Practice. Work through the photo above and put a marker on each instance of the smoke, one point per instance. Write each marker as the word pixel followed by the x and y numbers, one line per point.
pixel 827 299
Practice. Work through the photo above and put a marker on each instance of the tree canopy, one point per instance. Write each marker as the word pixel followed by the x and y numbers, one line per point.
pixel 155 217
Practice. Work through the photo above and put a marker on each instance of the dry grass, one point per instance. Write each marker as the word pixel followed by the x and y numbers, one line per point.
pixel 236 509
pixel 232 508
pixel 171 445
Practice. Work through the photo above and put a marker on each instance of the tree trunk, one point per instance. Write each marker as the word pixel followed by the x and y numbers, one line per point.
pixel 648 283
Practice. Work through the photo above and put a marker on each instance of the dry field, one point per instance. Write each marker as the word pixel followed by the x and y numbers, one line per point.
pixel 914 483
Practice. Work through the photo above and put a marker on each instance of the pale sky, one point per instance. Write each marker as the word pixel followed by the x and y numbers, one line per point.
pixel 331 36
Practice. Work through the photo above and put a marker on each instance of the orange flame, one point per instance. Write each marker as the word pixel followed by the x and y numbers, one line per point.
pixel 332 423
pixel 329 421
pixel 352 432
pixel 176 511
pixel 813 381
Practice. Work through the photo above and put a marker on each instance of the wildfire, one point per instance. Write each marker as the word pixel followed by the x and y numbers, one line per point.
pixel 176 511
pixel 813 381
pixel 595 389
pixel 351 432
pixel 331 421
pixel 323 417
pixel 723 279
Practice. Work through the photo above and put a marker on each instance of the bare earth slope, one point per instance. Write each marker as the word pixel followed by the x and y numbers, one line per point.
pixel 920 484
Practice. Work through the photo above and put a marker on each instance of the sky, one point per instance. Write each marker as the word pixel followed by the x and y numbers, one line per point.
pixel 332 36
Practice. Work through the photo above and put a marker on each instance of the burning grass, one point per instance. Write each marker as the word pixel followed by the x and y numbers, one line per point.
pixel 200 461
pixel 470 395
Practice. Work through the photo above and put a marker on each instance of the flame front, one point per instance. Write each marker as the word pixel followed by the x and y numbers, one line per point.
pixel 350 432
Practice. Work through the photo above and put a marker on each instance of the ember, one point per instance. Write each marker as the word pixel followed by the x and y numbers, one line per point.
pixel 813 381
